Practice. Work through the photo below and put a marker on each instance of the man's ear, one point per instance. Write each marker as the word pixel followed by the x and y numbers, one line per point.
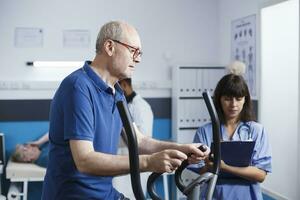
pixel 109 47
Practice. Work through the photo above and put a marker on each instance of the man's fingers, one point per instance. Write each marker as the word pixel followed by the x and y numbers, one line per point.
pixel 175 163
pixel 177 154
pixel 200 150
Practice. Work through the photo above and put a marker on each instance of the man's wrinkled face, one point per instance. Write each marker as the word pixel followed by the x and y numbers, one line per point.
pixel 127 54
pixel 28 153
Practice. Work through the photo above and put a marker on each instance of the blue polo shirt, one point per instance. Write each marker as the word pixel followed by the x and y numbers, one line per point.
pixel 83 108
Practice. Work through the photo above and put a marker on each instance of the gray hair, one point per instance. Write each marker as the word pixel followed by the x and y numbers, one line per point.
pixel 17 155
pixel 111 30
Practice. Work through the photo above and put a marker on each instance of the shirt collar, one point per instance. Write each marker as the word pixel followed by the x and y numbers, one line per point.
pixel 97 80
pixel 94 77
pixel 119 92
pixel 235 136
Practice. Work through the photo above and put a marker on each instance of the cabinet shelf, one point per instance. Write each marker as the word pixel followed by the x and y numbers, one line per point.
pixel 188 107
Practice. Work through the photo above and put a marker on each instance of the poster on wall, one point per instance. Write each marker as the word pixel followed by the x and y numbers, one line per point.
pixel 76 38
pixel 243 39
pixel 28 37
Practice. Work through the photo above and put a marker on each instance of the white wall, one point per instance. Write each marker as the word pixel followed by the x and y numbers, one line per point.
pixel 280 94
pixel 231 10
pixel 172 31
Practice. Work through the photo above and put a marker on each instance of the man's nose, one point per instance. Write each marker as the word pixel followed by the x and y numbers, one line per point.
pixel 137 60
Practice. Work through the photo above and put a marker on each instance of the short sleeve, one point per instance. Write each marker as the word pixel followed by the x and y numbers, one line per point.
pixel 202 136
pixel 262 152
pixel 78 114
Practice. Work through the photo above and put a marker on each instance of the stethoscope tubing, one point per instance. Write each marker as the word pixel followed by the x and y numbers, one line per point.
pixel 243 127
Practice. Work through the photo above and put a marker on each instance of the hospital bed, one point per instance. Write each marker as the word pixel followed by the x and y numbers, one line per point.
pixel 22 173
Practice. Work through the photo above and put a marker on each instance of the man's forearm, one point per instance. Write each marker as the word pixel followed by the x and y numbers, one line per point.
pixel 149 145
pixel 43 139
pixel 102 164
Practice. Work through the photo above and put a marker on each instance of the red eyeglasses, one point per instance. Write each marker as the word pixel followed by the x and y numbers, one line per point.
pixel 135 51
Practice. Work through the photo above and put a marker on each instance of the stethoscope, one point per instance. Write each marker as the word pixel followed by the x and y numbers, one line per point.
pixel 244 131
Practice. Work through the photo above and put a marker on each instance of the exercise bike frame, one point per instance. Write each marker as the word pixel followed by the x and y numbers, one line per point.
pixel 190 190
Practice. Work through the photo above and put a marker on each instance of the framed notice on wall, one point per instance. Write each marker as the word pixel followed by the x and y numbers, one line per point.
pixel 76 38
pixel 28 37
pixel 243 48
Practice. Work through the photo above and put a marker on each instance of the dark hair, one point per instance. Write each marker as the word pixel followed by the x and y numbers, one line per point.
pixel 232 85
pixel 128 81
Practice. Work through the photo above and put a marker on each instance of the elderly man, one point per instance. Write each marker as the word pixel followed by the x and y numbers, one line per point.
pixel 85 125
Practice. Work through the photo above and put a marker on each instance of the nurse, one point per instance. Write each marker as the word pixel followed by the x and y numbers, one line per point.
pixel 233 104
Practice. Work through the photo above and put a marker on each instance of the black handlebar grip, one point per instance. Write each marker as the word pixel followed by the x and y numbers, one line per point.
pixel 180 169
pixel 203 147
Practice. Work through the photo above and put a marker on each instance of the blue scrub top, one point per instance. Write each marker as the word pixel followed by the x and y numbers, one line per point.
pixel 261 158
pixel 83 108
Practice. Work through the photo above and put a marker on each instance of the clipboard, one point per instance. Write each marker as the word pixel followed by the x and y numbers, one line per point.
pixel 236 153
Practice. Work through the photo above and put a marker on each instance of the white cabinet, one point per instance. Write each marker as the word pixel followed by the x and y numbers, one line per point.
pixel 188 107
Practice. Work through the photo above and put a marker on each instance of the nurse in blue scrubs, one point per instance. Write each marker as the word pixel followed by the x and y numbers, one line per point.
pixel 233 104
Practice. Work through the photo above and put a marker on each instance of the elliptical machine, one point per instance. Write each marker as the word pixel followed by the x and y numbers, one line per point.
pixel 192 190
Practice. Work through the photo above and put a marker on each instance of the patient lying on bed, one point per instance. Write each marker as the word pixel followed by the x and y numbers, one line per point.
pixel 33 152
